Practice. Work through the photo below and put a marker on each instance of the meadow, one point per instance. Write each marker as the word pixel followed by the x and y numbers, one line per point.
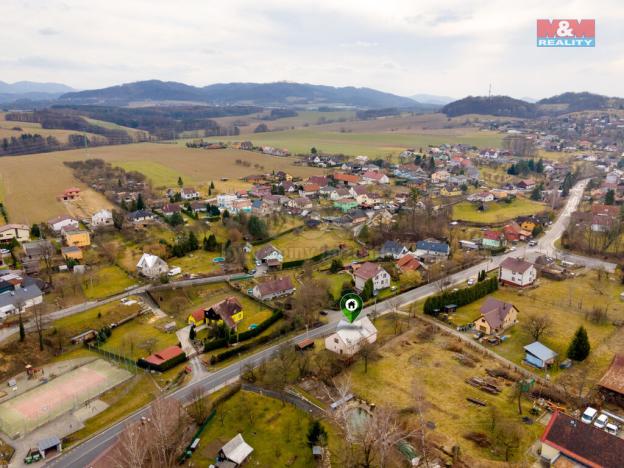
pixel 497 212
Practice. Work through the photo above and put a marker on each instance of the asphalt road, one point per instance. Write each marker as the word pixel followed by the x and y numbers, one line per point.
pixel 83 454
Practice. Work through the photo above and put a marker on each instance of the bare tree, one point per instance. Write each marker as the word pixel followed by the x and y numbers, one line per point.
pixel 367 351
pixel 537 325
pixel 47 251
pixel 40 322
pixel 199 407
pixel 132 448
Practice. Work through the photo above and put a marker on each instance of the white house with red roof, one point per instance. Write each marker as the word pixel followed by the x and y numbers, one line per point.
pixel 374 272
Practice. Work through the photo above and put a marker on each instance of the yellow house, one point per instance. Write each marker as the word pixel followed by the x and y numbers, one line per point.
pixel 77 238
pixel 197 318
pixel 496 316
pixel 71 253
pixel 228 311
pixel 450 192
pixel 528 226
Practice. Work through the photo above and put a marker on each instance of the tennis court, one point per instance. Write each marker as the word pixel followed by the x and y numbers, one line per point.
pixel 64 393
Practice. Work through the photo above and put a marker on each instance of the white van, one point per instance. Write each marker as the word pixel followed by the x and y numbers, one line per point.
pixel 589 415
pixel 611 429
pixel 601 421
pixel 175 271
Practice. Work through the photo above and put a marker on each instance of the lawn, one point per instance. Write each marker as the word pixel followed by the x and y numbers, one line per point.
pixel 139 338
pixel 566 303
pixel 94 318
pixel 106 281
pixel 310 242
pixel 198 262
pixel 276 431
pixel 418 359
pixel 497 212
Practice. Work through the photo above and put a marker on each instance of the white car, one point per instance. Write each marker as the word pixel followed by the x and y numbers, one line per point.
pixel 589 415
pixel 471 281
pixel 611 429
pixel 601 421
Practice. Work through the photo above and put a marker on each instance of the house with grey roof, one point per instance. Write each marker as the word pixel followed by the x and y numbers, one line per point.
pixel 19 300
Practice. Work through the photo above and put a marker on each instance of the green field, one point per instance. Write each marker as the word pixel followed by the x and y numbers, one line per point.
pixel 276 431
pixel 370 144
pixel 497 212
pixel 159 174
pixel 106 282
pixel 309 242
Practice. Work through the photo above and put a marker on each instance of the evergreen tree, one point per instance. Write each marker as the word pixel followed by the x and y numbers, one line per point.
pixel 226 215
pixel 610 197
pixel 212 186
pixel 336 266
pixel 579 347
pixel 317 435
pixel 180 182
pixel 192 333
pixel 22 332
pixel 176 219
pixel 35 231
pixel 193 243
pixel 539 168
pixel 368 290
pixel 210 243
pixel 257 228
pixel 140 204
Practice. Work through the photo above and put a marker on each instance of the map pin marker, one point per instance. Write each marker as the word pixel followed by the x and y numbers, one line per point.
pixel 351 305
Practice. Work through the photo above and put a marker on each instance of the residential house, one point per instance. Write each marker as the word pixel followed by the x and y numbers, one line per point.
pixel 225 200
pixel 63 222
pixel 517 272
pixel 260 191
pixel 432 248
pixel 199 206
pixel 393 249
pixel 568 442
pixel 261 208
pixel 189 193
pixel 346 179
pixel 36 250
pixel 197 317
pixel 163 359
pixel 272 289
pixel 408 263
pixel 539 355
pixel 514 233
pixel 345 204
pixel 77 238
pixel 301 203
pixel 241 205
pixel 340 194
pixel 72 253
pixel 439 177
pixel 496 316
pixel 350 337
pixel 493 240
pixel 481 197
pixel 450 191
pixel 526 184
pixel 269 255
pixel 371 271
pixel 528 225
pixel 69 194
pixel 152 266
pixel 281 175
pixel 102 218
pixel 18 299
pixel 19 232
pixel 170 209
pixel 356 216
pixel 375 177
pixel 234 453
pixel 228 311
pixel 309 190
pixel 321 181
pixel 141 216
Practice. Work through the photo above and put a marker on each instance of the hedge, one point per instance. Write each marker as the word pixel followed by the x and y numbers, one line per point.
pixel 165 365
pixel 321 256
pixel 435 304
pixel 246 335
pixel 275 236
pixel 249 346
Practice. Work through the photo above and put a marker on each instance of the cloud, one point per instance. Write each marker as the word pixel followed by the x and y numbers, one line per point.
pixel 450 47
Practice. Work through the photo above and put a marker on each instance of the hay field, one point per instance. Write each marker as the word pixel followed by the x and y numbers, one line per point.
pixel 32 182
pixel 6 130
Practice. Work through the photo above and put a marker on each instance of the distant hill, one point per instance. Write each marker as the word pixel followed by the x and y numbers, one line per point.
pixel 432 99
pixel 506 106
pixel 503 106
pixel 575 102
pixel 24 87
pixel 281 94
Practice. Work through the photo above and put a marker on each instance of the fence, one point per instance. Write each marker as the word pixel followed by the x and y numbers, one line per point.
pixel 123 360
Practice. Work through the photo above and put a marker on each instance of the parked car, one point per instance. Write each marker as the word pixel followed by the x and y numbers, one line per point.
pixel 472 280
pixel 611 429
pixel 601 421
pixel 532 243
pixel 565 364
pixel 589 415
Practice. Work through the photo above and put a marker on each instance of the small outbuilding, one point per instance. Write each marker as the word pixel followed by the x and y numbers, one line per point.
pixel 539 355
pixel 234 453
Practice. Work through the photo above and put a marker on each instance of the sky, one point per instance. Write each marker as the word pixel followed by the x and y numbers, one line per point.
pixel 443 47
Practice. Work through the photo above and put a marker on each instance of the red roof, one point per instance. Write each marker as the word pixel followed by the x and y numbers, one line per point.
pixel 165 355
pixel 368 270
pixel 198 315
pixel 346 177
pixel 408 263
pixel 492 235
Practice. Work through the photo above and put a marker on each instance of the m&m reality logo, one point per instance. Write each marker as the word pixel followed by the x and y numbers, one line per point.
pixel 566 33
